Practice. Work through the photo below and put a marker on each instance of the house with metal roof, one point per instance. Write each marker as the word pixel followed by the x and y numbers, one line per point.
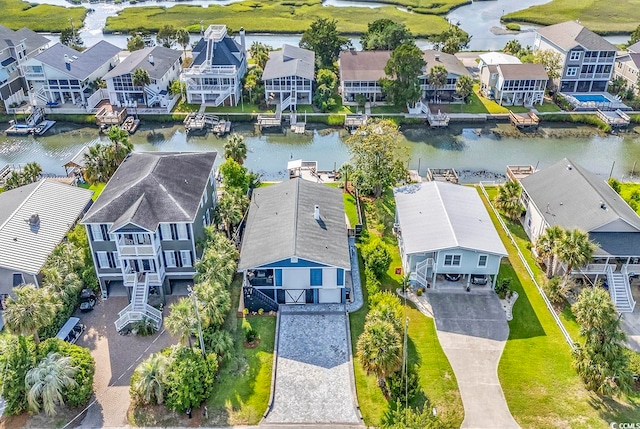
pixel 62 76
pixel 454 68
pixel 162 64
pixel 288 77
pixel 34 219
pixel 360 73
pixel 295 248
pixel 445 233
pixel 219 64
pixel 16 47
pixel 587 58
pixel 567 195
pixel 144 226
pixel 514 84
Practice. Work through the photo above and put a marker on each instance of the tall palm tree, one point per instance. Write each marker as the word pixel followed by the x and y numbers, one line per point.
pixel 438 78
pixel 260 54
pixel 216 266
pixel 182 37
pixel 236 148
pixel 119 149
pixel 30 310
pixel 548 246
pixel 231 208
pixel 32 172
pixel 96 164
pixel 149 379
pixel 508 200
pixel 182 320
pixel 216 302
pixel 47 381
pixel 576 249
pixel 140 78
pixel 379 349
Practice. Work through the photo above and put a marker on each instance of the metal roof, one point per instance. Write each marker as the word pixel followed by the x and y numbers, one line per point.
pixel 495 58
pixel 436 216
pixel 290 61
pixel 163 61
pixel 82 63
pixel 571 34
pixel 281 225
pixel 24 247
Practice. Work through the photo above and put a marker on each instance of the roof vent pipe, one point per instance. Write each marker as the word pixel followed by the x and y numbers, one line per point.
pixel 150 58
pixel 316 212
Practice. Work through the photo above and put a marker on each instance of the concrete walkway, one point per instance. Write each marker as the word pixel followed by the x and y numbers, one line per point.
pixel 313 382
pixel 355 278
pixel 472 329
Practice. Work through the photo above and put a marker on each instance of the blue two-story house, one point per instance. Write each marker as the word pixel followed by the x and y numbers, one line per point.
pixel 295 248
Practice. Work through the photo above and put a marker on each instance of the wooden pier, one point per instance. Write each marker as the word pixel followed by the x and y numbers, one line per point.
pixel 296 126
pixel 353 122
pixel 109 115
pixel 270 120
pixel 221 128
pixel 438 120
pixel 199 122
pixel 517 172
pixel 442 175
pixel 524 120
pixel 615 119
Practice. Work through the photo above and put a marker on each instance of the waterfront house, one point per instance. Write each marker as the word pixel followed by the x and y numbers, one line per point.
pixel 445 234
pixel 515 84
pixel 567 195
pixel 64 77
pixel 587 58
pixel 34 219
pixel 627 67
pixel 488 66
pixel 219 64
pixel 295 249
pixel 288 77
pixel 16 47
pixel 360 72
pixel 454 68
pixel 144 226
pixel 162 64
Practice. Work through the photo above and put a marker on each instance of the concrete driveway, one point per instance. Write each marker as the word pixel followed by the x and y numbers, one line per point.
pixel 313 370
pixel 473 329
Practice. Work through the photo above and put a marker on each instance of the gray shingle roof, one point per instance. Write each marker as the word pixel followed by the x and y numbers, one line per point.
pixel 523 71
pixel 635 48
pixel 223 53
pixel 153 187
pixel 26 248
pixel 88 61
pixel 450 62
pixel 570 196
pixel 569 34
pixel 32 40
pixel 163 60
pixel 281 224
pixel 290 61
pixel 616 243
pixel 363 65
pixel 437 215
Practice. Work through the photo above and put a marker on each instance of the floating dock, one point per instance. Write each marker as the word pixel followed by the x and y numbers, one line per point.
pixel 438 120
pixel 270 120
pixel 130 124
pixel 298 127
pixel 524 120
pixel 221 128
pixel 35 124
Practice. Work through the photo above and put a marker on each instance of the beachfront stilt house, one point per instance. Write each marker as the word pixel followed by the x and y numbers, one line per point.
pixel 295 249
pixel 219 64
pixel 288 77
pixel 162 64
pixel 144 226
pixel 64 77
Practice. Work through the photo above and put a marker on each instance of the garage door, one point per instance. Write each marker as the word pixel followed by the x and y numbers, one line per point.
pixel 329 296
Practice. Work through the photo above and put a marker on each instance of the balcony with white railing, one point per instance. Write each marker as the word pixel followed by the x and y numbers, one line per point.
pixel 130 245
pixel 209 88
pixel 216 32
pixel 206 70
pixel 430 87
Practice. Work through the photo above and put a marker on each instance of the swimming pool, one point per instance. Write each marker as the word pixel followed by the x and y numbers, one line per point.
pixel 598 98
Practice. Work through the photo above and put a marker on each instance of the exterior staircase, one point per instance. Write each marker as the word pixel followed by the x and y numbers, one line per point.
pixel 153 96
pixel 138 309
pixel 255 300
pixel 223 96
pixel 286 103
pixel 620 290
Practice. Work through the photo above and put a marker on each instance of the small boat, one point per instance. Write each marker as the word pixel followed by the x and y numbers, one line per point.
pixel 43 127
pixel 130 124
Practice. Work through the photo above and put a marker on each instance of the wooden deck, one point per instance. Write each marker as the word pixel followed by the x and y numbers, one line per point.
pixel 352 122
pixel 615 119
pixel 109 115
pixel 442 175
pixel 517 172
pixel 438 120
pixel 524 120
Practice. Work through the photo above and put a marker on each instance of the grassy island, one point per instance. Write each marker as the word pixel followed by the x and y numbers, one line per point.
pixel 39 17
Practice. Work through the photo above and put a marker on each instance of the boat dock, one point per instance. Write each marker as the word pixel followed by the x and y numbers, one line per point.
pixel 221 128
pixel 130 124
pixel 442 175
pixel 438 120
pixel 270 120
pixel 109 115
pixel 353 122
pixel 615 119
pixel 517 172
pixel 34 124
pixel 298 127
pixel 527 120
pixel 199 122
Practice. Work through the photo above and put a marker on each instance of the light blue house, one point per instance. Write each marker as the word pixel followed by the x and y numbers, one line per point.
pixel 295 248
pixel 445 233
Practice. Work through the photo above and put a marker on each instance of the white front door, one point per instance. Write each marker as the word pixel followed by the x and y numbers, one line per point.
pixel 329 296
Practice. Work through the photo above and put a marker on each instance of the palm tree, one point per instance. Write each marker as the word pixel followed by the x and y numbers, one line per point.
pixel 260 54
pixel 236 148
pixel 140 78
pixel 148 379
pixel 32 172
pixel 576 249
pixel 547 247
pixel 182 320
pixel 96 165
pixel 216 302
pixel 182 37
pixel 216 266
pixel 438 78
pixel 379 349
pixel 464 86
pixel 47 381
pixel 29 311
pixel 219 342
pixel 231 208
pixel 120 147
pixel 508 200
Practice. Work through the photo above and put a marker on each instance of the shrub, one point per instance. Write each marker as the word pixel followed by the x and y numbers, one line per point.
pixel 513 27
pixel 557 289
pixel 143 327
pixel 376 257
pixel 218 341
pixel 396 383
pixel 190 378
pixel 502 287
pixel 17 357
pixel 371 282
pixel 419 292
pixel 251 336
pixel 615 184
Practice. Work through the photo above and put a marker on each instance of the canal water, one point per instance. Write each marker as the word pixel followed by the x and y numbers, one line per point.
pixel 475 152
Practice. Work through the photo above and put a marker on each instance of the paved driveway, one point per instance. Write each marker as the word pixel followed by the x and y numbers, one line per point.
pixel 314 377
pixel 473 329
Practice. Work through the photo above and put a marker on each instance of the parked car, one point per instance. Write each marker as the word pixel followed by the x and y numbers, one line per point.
pixel 87 300
pixel 71 330
pixel 479 279
pixel 453 277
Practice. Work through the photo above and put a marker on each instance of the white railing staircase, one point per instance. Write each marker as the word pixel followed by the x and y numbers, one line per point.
pixel 223 96
pixel 285 104
pixel 620 289
pixel 153 96
pixel 138 308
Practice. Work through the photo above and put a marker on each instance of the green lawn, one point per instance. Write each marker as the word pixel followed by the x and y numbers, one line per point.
pixel 244 383
pixel 97 189
pixel 183 107
pixel 240 108
pixel 350 208
pixel 388 109
pixel 39 17
pixel 540 386
pixel 548 107
pixel 603 17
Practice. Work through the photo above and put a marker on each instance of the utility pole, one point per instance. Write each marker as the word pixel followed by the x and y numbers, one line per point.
pixel 195 305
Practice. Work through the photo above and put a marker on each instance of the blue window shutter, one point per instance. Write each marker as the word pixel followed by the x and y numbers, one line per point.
pixel 316 276
pixel 340 281
pixel 278 277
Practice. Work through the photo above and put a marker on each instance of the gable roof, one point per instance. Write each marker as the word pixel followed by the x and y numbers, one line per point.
pixel 83 63
pixel 630 57
pixel 570 34
pixel 223 52
pixel 570 196
pixel 523 71
pixel 26 248
pixel 281 224
pixel 290 61
pixel 153 187
pixel 450 62
pixel 163 61
pixel 31 39
pixel 635 48
pixel 363 65
pixel 438 215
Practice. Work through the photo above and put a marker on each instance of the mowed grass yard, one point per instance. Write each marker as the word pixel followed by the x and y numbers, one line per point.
pixel 39 17
pixel 604 17
pixel 541 388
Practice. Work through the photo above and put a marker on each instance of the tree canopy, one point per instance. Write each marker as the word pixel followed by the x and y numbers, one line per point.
pixel 451 41
pixel 166 36
pixel 71 38
pixel 551 60
pixel 323 38
pixel 385 34
pixel 464 86
pixel 402 84
pixel 260 53
pixel 327 89
pixel 135 43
